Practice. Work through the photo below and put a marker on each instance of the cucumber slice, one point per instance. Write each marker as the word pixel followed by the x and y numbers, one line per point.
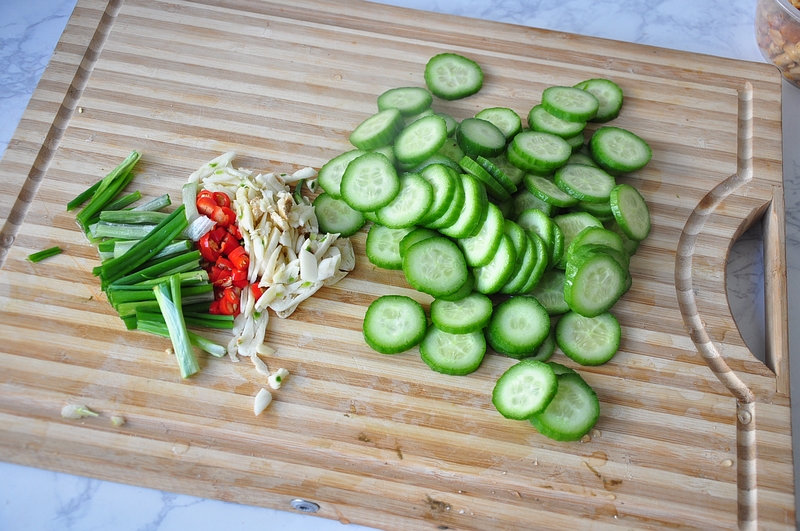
pixel 518 326
pixel 436 158
pixel 534 220
pixel 608 94
pixel 474 211
pixel 593 283
pixel 619 150
pixel 409 101
pixel 491 277
pixel 394 324
pixel 499 175
pixel 370 182
pixel 378 130
pixel 524 200
pixel 631 246
pixel 442 180
pixel 336 216
pixel 435 266
pixel 525 389
pixel 410 204
pixel 571 413
pixel 570 103
pixel 493 186
pixel 547 348
pixel 577 142
pixel 597 236
pixel 451 123
pixel 330 174
pixel 541 120
pixel 547 191
pixel 453 212
pixel 550 292
pixel 539 151
pixel 470 314
pixel 453 354
pixel 512 172
pixel 601 211
pixel 630 211
pixel 588 340
pixel 505 119
pixel 527 259
pixel 480 249
pixel 463 291
pixel 585 183
pixel 416 235
pixel 560 368
pixel 453 151
pixel 571 224
pixel 480 138
pixel 541 265
pixel 451 76
pixel 383 246
pixel 420 140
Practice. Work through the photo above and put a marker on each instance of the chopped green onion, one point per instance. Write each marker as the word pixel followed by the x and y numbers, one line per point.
pixel 84 196
pixel 161 329
pixel 46 253
pixel 176 247
pixel 133 216
pixel 168 296
pixel 198 320
pixel 158 203
pixel 108 189
pixel 123 231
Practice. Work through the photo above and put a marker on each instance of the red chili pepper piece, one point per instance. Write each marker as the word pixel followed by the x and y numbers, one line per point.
pixel 256 290
pixel 233 228
pixel 206 205
pixel 239 258
pixel 228 243
pixel 222 199
pixel 209 247
pixel 224 263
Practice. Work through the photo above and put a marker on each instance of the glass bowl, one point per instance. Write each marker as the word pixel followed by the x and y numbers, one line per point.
pixel 778 35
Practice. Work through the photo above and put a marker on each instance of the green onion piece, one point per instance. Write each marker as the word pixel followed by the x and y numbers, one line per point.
pixel 123 231
pixel 46 253
pixel 168 296
pixel 197 320
pixel 161 329
pixel 144 249
pixel 84 196
pixel 116 297
pixel 164 268
pixel 133 216
pixel 158 203
pixel 189 198
pixel 298 192
pixel 187 279
pixel 177 247
pixel 109 187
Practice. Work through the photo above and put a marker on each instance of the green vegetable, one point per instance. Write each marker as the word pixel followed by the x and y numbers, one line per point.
pixel 46 253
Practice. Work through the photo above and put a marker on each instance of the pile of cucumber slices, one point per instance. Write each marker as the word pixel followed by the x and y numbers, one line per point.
pixel 522 236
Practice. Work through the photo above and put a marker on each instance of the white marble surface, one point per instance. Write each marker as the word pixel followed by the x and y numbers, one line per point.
pixel 38 500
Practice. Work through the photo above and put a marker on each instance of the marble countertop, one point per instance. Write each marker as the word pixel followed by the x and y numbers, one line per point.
pixel 39 500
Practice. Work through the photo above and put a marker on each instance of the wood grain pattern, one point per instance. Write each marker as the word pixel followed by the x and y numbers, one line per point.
pixel 694 430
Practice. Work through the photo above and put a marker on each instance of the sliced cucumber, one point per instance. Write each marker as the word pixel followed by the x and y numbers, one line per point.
pixel 550 292
pixel 420 140
pixel 416 235
pixel 443 184
pixel 571 224
pixel 493 186
pixel 570 103
pixel 330 174
pixel 630 211
pixel 410 204
pixel 505 119
pixel 453 212
pixel 383 246
pixel 538 151
pixel 518 326
pixel 378 130
pixel 491 277
pixel 541 120
pixel 608 94
pixel 480 249
pixel 451 76
pixel 370 182
pixel 336 216
pixel 573 411
pixel 585 183
pixel 619 150
pixel 453 354
pixel 525 389
pixel 546 190
pixel 498 173
pixel 474 211
pixel 588 340
pixel 512 172
pixel 435 266
pixel 394 324
pixel 480 138
pixel 593 283
pixel 409 101
pixel 470 314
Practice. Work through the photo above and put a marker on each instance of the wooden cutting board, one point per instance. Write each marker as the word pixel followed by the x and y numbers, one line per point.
pixel 694 431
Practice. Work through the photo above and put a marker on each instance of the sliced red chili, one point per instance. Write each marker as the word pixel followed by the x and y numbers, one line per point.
pixel 233 228
pixel 205 193
pixel 209 247
pixel 220 277
pixel 222 199
pixel 206 205
pixel 224 263
pixel 214 308
pixel 239 258
pixel 227 307
pixel 228 243
pixel 256 290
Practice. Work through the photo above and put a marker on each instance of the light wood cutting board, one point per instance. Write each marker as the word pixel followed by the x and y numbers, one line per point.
pixel 694 430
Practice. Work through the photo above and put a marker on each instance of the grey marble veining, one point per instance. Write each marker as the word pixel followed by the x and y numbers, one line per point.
pixel 39 500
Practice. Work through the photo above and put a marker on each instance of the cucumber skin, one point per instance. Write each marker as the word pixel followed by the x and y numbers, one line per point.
pixel 540 420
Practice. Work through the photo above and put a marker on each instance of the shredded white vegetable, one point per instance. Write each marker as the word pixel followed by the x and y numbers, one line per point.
pixel 289 258
pixel 262 400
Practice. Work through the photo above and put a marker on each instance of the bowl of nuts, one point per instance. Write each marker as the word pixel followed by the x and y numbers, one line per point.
pixel 778 35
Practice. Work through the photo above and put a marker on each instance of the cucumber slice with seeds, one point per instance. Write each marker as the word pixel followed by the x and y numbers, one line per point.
pixel 435 266
pixel 480 249
pixel 330 174
pixel 480 138
pixel 470 314
pixel 410 204
pixel 370 182
pixel 505 119
pixel 550 292
pixel 473 212
pixel 394 324
pixel 525 389
pixel 453 354
pixel 539 151
pixel 573 411
pixel 383 246
pixel 547 191
pixel 451 76
pixel 593 283
pixel 570 103
pixel 378 130
pixel 518 326
pixel 420 140
pixel 493 186
pixel 608 94
pixel 619 150
pixel 541 120
pixel 585 183
pixel 336 216
pixel 588 340
pixel 630 211
pixel 491 277
pixel 409 101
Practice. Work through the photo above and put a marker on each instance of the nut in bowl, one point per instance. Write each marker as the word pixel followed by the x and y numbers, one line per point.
pixel 778 35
